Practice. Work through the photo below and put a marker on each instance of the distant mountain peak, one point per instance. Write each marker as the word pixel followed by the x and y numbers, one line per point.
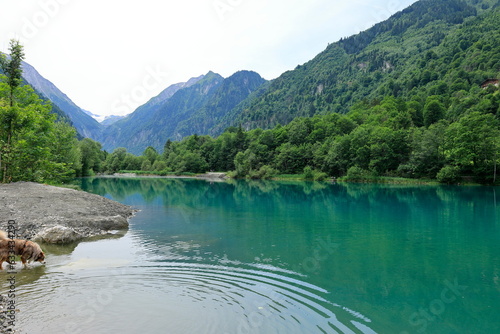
pixel 171 90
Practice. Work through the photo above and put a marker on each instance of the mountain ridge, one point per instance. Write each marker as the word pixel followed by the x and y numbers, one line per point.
pixel 391 58
pixel 193 108
pixel 86 125
pixel 357 67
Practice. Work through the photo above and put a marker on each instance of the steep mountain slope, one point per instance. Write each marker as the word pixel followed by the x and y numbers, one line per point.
pixel 193 108
pixel 394 57
pixel 231 93
pixel 124 132
pixel 84 124
pixel 144 113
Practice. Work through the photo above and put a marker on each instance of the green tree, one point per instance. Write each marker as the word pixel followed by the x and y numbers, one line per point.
pixel 11 67
pixel 91 154
pixel 151 154
pixel 159 165
pixel 193 162
pixel 132 162
pixel 472 143
pixel 449 175
pixel 433 111
pixel 33 147
pixel 338 158
pixel 116 160
pixel 9 114
pixel 427 154
pixel 66 153
pixel 146 166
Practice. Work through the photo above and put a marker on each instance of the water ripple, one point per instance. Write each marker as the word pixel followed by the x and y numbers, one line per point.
pixel 262 297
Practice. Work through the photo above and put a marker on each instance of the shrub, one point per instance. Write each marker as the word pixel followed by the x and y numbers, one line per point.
pixel 448 175
pixel 146 166
pixel 320 176
pixel 314 174
pixel 308 173
pixel 356 173
pixel 265 172
pixel 159 165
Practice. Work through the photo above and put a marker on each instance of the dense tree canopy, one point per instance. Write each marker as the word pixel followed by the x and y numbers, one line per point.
pixel 34 146
pixel 377 138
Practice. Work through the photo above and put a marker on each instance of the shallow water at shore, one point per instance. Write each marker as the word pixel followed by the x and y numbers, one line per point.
pixel 276 257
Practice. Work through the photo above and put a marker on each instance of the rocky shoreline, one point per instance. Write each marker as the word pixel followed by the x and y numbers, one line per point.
pixel 58 215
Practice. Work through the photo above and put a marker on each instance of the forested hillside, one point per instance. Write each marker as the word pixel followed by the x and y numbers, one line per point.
pixel 416 96
pixel 432 43
pixel 36 144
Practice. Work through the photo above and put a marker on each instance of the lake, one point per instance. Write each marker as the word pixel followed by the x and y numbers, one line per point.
pixel 276 257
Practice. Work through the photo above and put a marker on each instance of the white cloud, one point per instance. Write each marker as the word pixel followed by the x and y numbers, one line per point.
pixel 98 51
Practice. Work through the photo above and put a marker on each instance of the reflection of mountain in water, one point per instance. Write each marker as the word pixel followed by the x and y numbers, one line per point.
pixel 379 250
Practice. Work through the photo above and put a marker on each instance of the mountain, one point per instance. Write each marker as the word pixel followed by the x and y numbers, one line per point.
pixel 84 124
pixel 233 91
pixel 98 118
pixel 396 57
pixel 110 120
pixel 181 110
pixel 144 113
pixel 433 47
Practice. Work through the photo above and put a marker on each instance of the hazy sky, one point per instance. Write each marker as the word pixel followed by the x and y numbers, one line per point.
pixel 110 56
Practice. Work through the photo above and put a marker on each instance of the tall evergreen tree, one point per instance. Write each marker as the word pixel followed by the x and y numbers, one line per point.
pixel 12 67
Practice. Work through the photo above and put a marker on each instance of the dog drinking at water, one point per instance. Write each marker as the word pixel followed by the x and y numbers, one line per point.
pixel 28 250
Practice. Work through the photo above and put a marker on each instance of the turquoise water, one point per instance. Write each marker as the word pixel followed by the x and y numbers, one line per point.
pixel 278 257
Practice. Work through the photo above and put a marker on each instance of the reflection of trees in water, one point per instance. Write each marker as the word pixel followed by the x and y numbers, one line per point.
pixel 410 214
pixel 396 243
pixel 457 201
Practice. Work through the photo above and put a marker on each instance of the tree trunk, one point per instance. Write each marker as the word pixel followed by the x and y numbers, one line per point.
pixel 495 169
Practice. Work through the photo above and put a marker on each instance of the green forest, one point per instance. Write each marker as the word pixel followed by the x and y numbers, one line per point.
pixel 419 98
pixel 34 146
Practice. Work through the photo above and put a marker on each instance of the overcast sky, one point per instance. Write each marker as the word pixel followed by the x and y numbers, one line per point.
pixel 110 56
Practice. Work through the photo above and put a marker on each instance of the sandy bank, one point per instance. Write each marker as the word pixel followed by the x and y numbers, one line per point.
pixel 58 215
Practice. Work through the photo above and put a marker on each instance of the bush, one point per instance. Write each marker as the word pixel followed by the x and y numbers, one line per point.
pixel 448 175
pixel 314 174
pixel 159 166
pixel 308 173
pixel 265 172
pixel 356 173
pixel 146 166
pixel 320 176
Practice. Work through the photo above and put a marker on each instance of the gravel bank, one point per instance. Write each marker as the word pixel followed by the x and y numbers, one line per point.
pixel 58 215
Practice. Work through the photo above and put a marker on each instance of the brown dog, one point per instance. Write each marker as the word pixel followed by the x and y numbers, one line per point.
pixel 28 250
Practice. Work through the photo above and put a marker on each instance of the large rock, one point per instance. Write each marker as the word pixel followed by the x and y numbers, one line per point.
pixel 58 215
pixel 58 235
